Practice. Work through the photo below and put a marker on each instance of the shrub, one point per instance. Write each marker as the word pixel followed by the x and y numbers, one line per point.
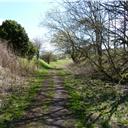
pixel 16 36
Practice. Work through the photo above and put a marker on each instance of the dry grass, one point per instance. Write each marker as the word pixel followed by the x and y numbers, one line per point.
pixel 15 64
pixel 83 69
pixel 14 72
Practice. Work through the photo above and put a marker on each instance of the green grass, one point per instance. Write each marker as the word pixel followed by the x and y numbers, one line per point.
pixel 43 64
pixel 60 63
pixel 34 62
pixel 18 101
pixel 95 103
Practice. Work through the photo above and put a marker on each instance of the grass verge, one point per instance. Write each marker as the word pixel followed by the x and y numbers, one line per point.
pixel 18 101
pixel 59 64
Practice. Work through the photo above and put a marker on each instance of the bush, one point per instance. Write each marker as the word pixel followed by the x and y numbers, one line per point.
pixel 16 36
pixel 33 50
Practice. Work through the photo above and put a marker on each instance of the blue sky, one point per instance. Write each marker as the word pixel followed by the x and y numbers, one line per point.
pixel 29 13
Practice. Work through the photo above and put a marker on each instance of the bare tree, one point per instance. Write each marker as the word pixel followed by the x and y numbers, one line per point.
pixel 38 43
pixel 95 31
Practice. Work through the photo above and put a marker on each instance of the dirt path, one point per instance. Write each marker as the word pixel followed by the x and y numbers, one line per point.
pixel 48 109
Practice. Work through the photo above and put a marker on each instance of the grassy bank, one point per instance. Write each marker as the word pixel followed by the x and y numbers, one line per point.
pixel 61 63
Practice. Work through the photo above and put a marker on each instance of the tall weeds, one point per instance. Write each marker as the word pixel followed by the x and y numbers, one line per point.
pixel 14 64
pixel 14 72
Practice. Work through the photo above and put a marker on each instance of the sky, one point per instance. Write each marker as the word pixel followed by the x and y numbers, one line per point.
pixel 29 13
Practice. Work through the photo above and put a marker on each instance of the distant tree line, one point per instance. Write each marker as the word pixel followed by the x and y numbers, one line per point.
pixel 95 32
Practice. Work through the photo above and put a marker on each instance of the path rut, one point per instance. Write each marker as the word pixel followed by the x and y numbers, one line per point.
pixel 49 108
